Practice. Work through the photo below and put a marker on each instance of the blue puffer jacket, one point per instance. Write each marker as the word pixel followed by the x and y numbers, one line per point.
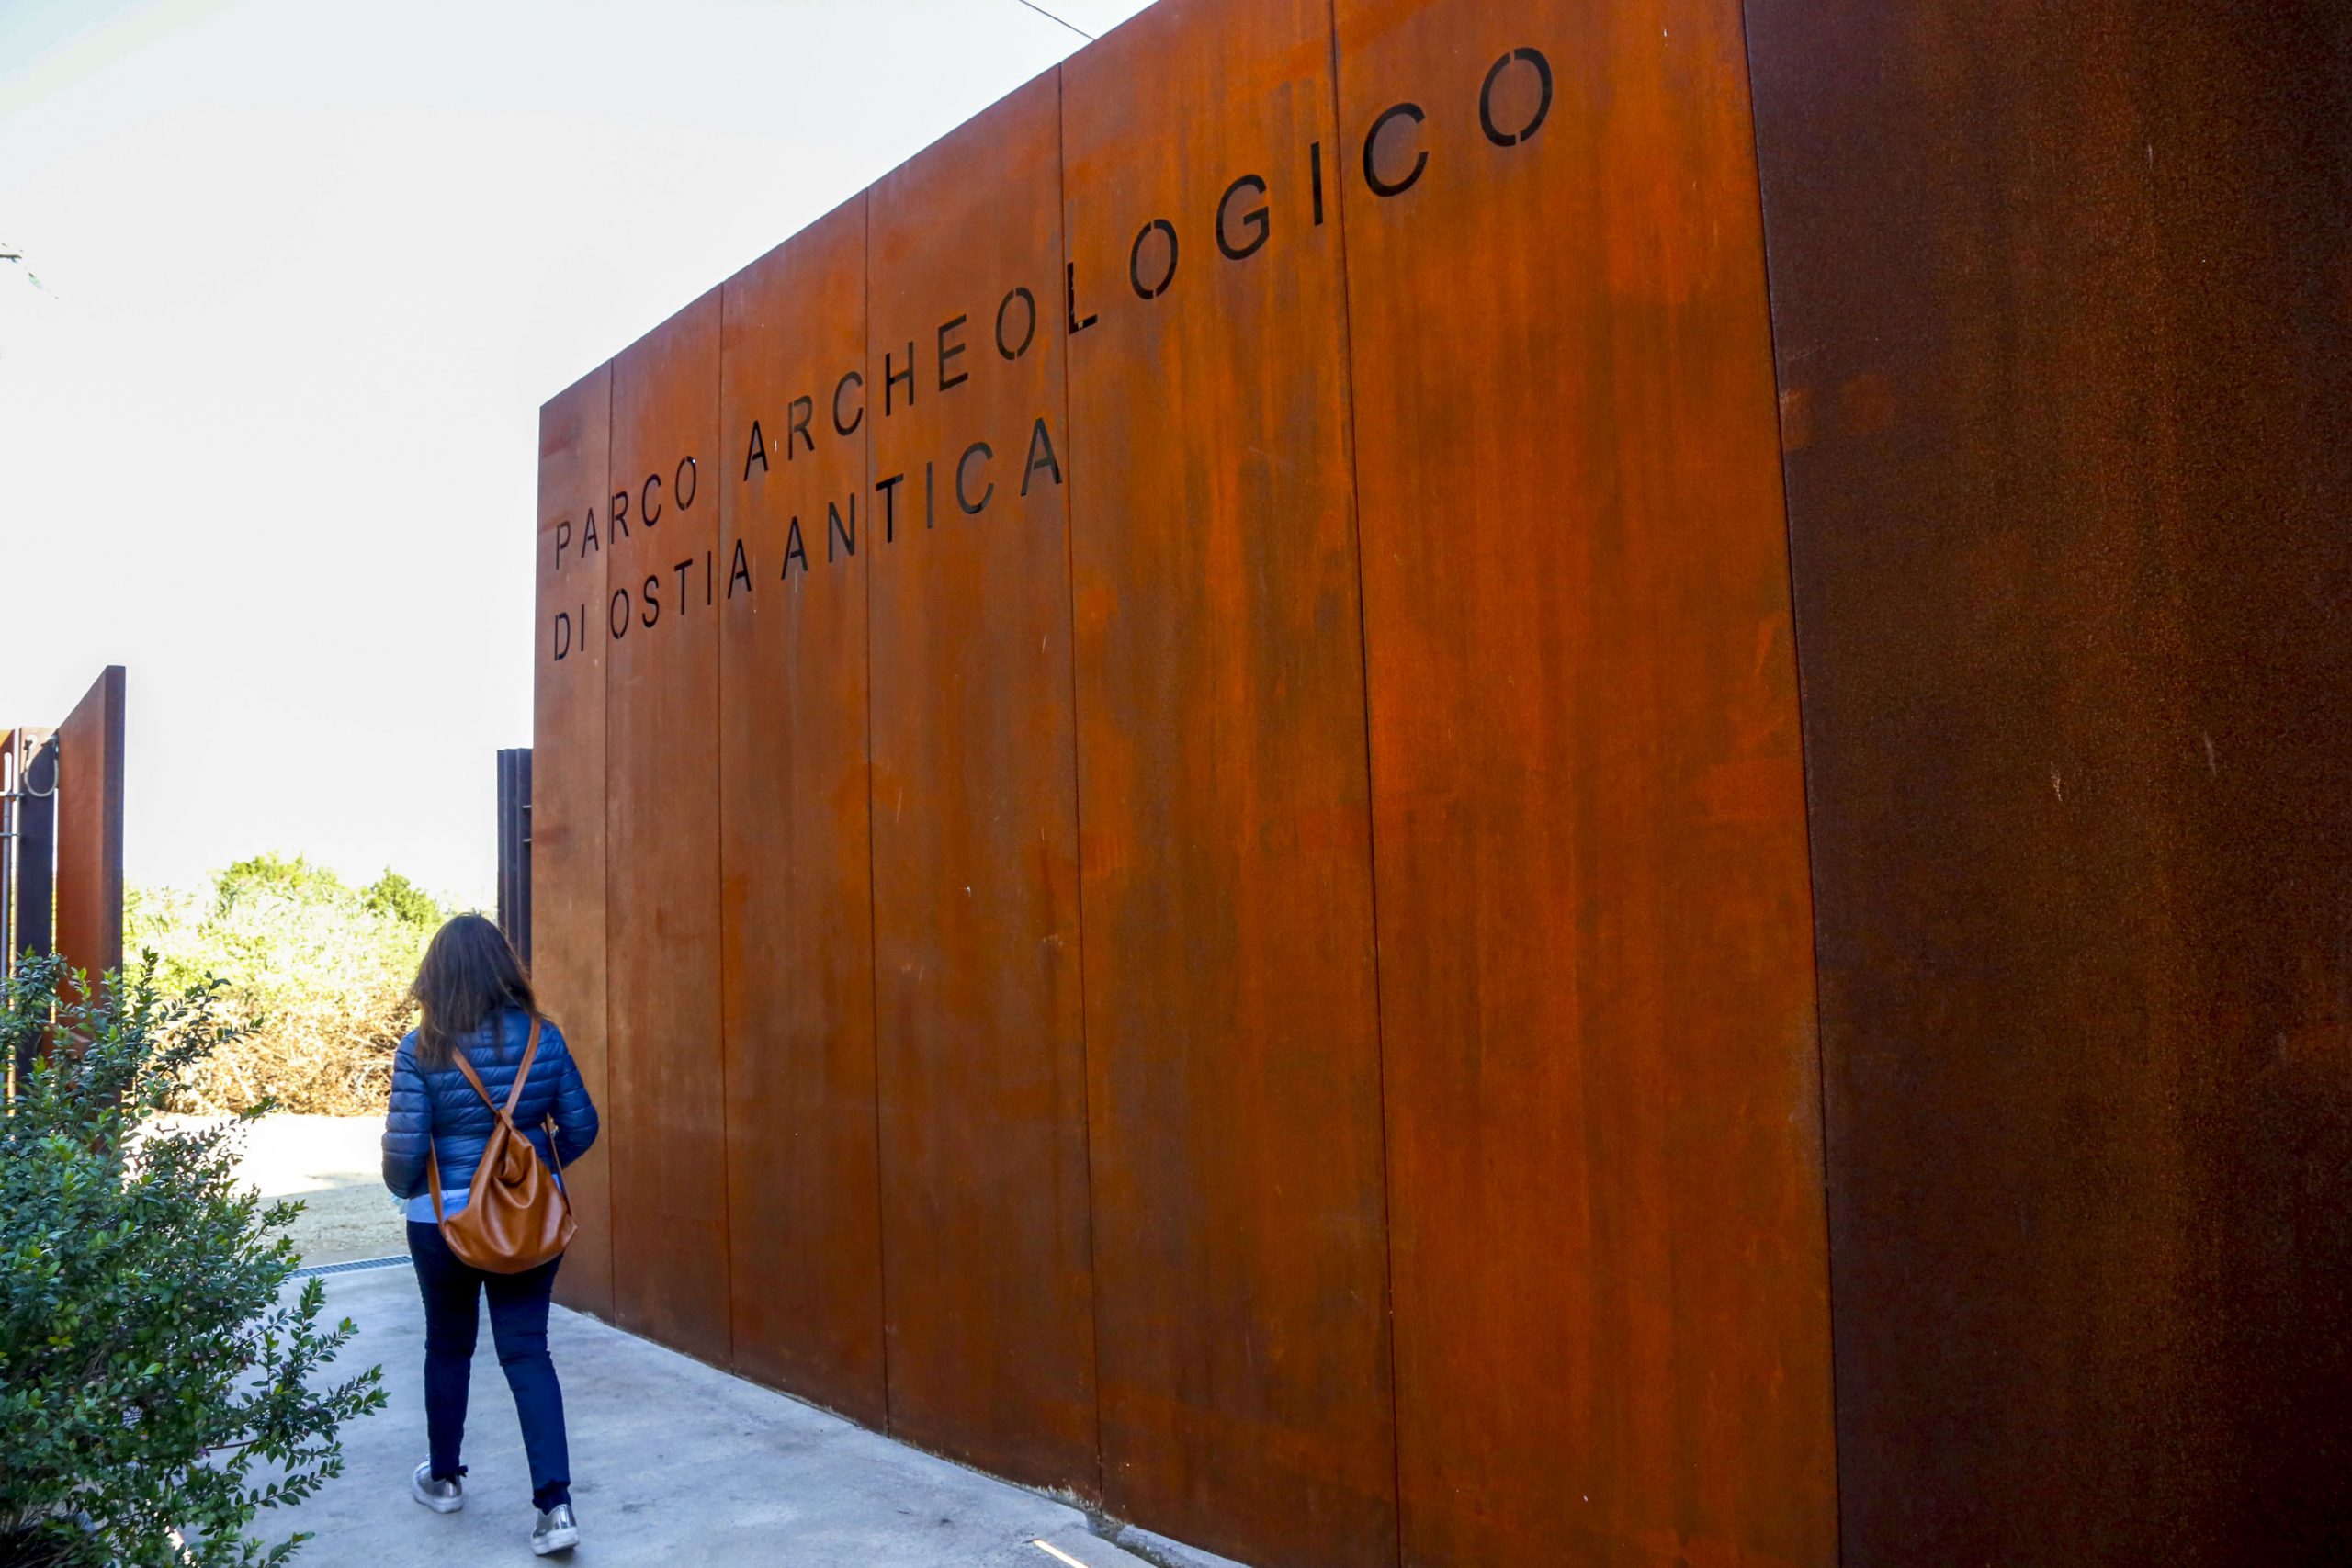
pixel 442 1111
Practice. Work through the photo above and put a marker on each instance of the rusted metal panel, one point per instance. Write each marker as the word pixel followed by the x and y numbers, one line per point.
pixel 983 1071
pixel 2066 375
pixel 805 1228
pixel 1597 1007
pixel 29 863
pixel 514 847
pixel 570 637
pixel 32 916
pixel 665 1074
pixel 89 827
pixel 1240 1254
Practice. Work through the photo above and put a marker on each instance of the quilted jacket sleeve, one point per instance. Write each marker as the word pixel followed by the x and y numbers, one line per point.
pixel 408 1126
pixel 575 1113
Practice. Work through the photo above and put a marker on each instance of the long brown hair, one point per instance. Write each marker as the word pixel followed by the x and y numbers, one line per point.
pixel 468 973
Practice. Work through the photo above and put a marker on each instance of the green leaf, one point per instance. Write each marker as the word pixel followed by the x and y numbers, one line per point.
pixel 130 1258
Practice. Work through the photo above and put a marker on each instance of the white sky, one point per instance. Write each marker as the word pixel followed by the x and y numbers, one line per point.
pixel 269 436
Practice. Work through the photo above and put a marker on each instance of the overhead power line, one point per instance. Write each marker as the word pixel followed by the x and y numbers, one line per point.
pixel 1051 17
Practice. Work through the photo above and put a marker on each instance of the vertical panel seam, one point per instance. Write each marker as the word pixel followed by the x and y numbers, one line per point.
pixel 1372 857
pixel 719 795
pixel 1076 808
pixel 726 1021
pixel 1804 764
pixel 604 848
pixel 718 427
pixel 614 1155
pixel 873 900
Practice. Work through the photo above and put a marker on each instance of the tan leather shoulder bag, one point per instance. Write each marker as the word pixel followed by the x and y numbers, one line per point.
pixel 516 1214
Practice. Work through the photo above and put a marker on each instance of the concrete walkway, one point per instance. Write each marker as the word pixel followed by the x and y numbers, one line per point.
pixel 673 1462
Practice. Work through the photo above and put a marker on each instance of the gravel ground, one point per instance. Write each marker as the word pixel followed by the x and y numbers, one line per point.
pixel 334 1164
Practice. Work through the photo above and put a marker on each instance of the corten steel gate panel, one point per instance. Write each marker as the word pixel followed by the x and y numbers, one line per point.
pixel 804 1238
pixel 1240 1253
pixel 2059 299
pixel 514 847
pixel 983 1072
pixel 568 791
pixel 665 1072
pixel 35 851
pixel 34 857
pixel 89 829
pixel 1597 1006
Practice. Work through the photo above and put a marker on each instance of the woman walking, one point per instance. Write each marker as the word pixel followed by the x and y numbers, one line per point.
pixel 478 1012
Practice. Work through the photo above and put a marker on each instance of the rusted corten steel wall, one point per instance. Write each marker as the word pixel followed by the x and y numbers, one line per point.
pixel 568 951
pixel 2062 307
pixel 1596 958
pixel 665 1071
pixel 89 826
pixel 1232 1048
pixel 1181 743
pixel 804 1227
pixel 982 1069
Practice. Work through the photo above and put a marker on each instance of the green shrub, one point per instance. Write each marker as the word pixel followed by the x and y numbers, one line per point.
pixel 156 1387
pixel 322 966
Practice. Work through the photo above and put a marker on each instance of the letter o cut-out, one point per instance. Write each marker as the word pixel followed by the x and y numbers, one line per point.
pixel 1495 134
pixel 1135 260
pixel 1028 337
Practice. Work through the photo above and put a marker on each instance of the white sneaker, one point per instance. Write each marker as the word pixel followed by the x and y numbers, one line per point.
pixel 441 1496
pixel 557 1531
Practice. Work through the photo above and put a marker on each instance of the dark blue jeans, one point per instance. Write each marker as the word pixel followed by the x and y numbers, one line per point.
pixel 518 1327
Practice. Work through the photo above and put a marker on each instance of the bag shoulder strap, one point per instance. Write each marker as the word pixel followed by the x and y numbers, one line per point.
pixel 514 1094
pixel 555 1149
pixel 505 1113
pixel 530 1050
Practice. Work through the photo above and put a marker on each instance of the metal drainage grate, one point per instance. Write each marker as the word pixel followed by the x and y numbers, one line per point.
pixel 353 1266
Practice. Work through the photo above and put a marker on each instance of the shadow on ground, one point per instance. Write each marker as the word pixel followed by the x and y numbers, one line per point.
pixel 673 1462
